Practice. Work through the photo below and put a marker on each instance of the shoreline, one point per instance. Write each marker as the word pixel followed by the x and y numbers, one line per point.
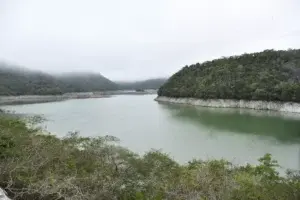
pixel 32 99
pixel 227 103
pixel 17 100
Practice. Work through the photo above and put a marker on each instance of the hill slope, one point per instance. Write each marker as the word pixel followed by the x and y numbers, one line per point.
pixel 86 82
pixel 269 75
pixel 146 84
pixel 20 81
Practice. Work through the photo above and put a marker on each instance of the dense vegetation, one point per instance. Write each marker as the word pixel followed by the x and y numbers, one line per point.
pixel 86 82
pixel 38 166
pixel 142 85
pixel 20 81
pixel 269 75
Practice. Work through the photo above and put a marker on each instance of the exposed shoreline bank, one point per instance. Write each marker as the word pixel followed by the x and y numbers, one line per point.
pixel 31 99
pixel 15 100
pixel 226 103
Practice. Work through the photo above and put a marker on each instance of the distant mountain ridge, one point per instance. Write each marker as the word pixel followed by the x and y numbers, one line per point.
pixel 154 83
pixel 86 82
pixel 16 80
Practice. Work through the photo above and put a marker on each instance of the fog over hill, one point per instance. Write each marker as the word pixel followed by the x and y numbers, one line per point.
pixel 17 80
pixel 154 83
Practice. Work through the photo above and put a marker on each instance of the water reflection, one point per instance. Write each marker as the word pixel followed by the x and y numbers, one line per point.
pixel 285 127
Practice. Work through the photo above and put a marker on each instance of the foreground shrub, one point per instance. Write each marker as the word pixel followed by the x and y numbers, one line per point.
pixel 39 166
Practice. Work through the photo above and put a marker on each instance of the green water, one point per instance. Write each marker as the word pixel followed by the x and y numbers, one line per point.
pixel 185 132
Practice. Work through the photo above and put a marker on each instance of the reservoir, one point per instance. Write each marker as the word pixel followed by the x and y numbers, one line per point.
pixel 184 132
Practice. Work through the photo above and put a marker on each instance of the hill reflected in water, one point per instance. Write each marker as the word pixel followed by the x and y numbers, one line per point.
pixel 284 127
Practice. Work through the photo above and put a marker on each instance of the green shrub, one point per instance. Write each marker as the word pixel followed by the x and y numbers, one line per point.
pixel 40 166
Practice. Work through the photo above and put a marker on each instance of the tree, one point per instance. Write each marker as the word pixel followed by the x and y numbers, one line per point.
pixel 269 75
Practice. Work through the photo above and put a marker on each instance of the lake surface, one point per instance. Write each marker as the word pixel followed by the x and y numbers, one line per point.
pixel 184 132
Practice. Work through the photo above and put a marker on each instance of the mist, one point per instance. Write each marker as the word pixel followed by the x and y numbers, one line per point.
pixel 136 40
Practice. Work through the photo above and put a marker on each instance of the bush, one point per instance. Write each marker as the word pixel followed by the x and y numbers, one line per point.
pixel 40 166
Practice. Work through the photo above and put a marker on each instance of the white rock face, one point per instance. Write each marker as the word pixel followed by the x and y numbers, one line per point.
pixel 3 195
pixel 222 103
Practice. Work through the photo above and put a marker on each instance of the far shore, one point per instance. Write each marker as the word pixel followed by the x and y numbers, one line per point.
pixel 31 99
pixel 291 107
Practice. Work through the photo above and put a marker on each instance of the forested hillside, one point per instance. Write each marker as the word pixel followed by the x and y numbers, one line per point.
pixel 19 81
pixel 269 75
pixel 86 82
pixel 146 84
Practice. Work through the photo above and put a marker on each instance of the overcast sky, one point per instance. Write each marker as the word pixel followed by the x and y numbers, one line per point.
pixel 138 39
